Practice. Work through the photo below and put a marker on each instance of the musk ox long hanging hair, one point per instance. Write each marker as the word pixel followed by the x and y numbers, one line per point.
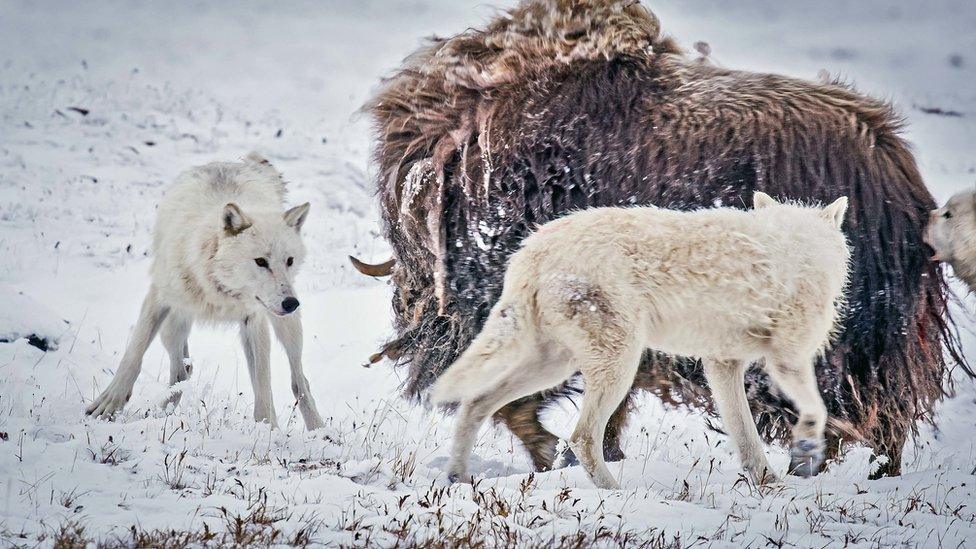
pixel 559 105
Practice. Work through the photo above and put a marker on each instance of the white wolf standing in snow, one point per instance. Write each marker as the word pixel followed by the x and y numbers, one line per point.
pixel 224 252
pixel 591 291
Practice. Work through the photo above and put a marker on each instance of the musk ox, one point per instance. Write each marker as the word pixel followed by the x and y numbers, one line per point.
pixel 952 234
pixel 590 291
pixel 558 105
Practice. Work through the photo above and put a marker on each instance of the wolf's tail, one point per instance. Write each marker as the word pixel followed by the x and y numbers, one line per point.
pixel 487 358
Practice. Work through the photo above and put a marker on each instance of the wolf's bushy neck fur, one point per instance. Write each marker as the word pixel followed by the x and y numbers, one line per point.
pixel 965 269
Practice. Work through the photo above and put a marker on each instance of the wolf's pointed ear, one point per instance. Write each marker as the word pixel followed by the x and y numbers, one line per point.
pixel 835 211
pixel 234 220
pixel 296 216
pixel 973 197
pixel 761 200
pixel 256 158
pixel 258 161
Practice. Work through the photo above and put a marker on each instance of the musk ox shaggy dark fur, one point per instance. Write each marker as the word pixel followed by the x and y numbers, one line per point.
pixel 559 105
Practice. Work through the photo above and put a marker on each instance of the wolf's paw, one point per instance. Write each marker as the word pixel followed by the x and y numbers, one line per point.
pixel 169 405
pixel 605 481
pixel 314 425
pixel 806 456
pixel 763 475
pixel 110 402
pixel 457 476
pixel 443 481
pixel 313 422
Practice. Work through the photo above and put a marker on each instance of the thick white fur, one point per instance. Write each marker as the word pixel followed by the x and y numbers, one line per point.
pixel 591 291
pixel 212 225
pixel 951 232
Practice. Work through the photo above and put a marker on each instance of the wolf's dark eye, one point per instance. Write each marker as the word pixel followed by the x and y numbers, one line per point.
pixel 290 261
pixel 947 215
pixel 261 262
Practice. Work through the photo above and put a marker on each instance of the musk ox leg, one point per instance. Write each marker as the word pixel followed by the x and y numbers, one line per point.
pixel 798 382
pixel 727 382
pixel 611 443
pixel 522 419
pixel 892 448
pixel 529 376
pixel 607 383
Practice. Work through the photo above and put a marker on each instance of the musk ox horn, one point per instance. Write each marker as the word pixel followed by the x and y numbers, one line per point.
pixel 379 269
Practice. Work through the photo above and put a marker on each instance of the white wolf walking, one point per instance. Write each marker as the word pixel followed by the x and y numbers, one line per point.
pixel 224 252
pixel 591 291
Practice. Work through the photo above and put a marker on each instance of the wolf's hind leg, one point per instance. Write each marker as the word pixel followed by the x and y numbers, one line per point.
pixel 174 335
pixel 608 380
pixel 118 392
pixel 798 382
pixel 289 332
pixel 726 379
pixel 529 374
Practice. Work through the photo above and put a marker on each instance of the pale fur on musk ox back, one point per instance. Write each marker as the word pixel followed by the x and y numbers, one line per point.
pixel 590 291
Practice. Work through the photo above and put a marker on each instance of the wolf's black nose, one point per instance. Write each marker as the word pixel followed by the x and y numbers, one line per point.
pixel 289 304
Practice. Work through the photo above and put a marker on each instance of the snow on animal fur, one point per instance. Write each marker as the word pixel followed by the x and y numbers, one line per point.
pixel 589 292
pixel 224 252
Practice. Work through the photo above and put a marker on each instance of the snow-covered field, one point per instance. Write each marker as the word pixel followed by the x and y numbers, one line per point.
pixel 103 103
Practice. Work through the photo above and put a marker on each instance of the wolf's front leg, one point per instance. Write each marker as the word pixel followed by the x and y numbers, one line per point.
pixel 257 351
pixel 289 332
pixel 726 379
pixel 118 392
pixel 174 335
pixel 608 381
pixel 797 379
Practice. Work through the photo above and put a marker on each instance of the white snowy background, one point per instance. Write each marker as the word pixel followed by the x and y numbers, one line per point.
pixel 103 103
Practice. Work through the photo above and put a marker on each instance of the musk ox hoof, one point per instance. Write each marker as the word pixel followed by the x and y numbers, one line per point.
pixel 612 454
pixel 806 456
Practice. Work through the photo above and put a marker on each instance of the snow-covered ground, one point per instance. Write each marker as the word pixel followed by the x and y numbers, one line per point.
pixel 103 103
